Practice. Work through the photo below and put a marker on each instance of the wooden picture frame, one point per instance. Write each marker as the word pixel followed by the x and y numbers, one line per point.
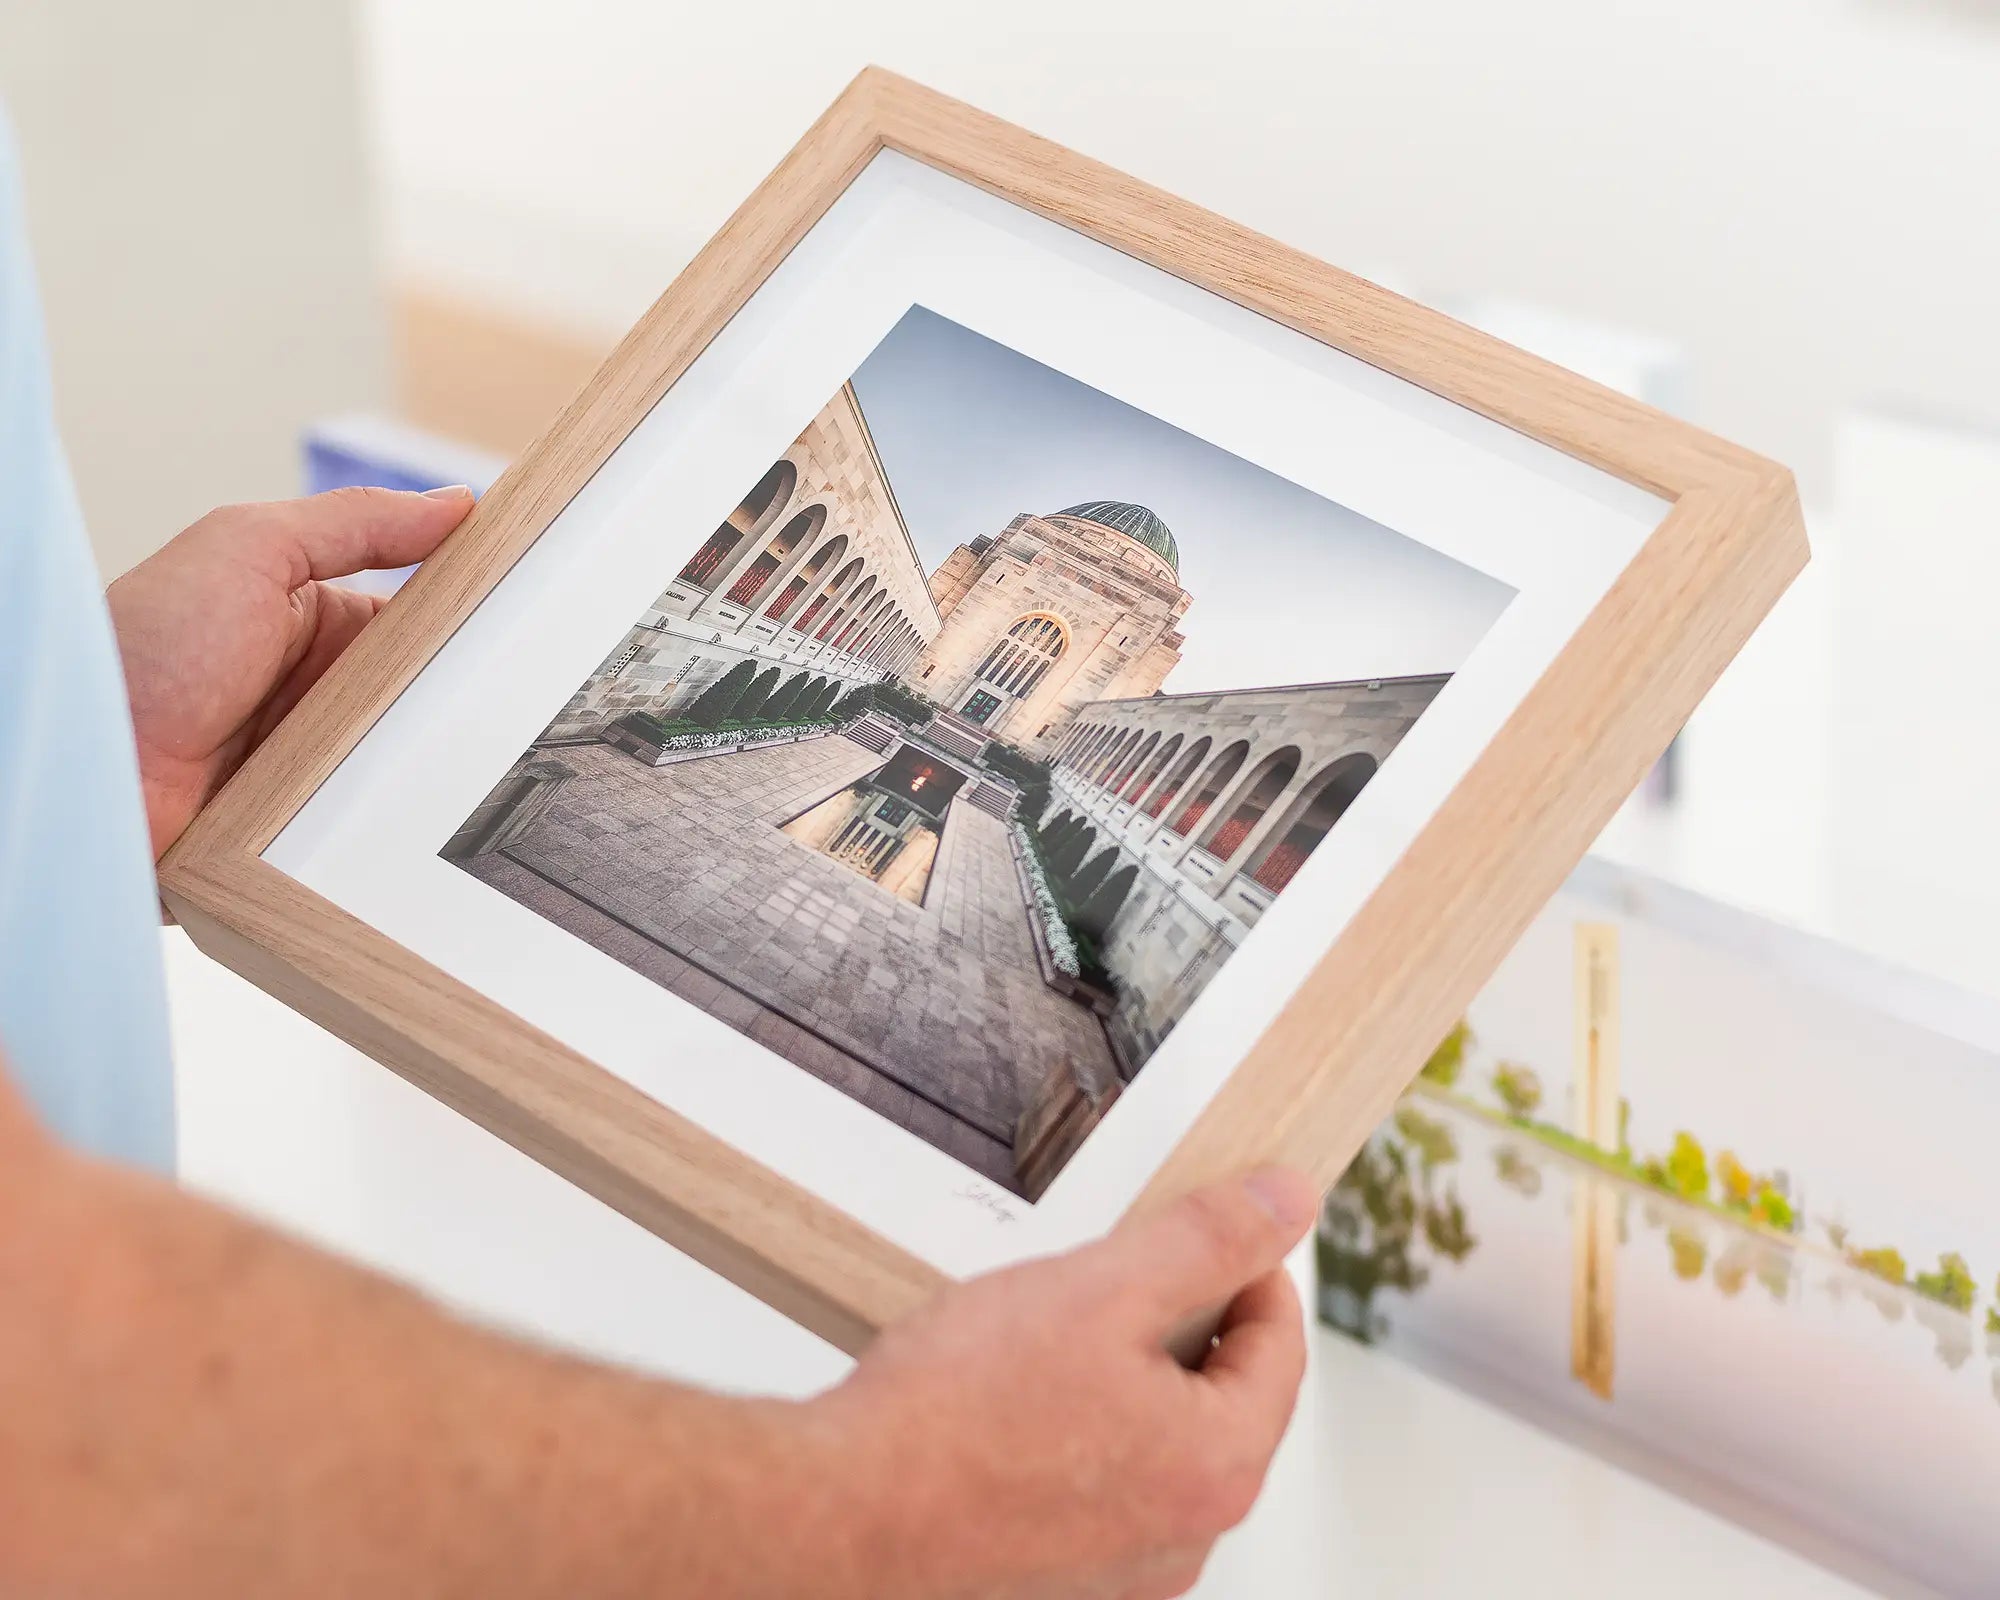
pixel 1319 1079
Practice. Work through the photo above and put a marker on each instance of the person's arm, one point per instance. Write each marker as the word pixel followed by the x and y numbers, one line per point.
pixel 192 1405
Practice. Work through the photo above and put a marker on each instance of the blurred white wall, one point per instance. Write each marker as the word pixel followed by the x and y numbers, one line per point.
pixel 1797 193
pixel 201 224
pixel 1913 779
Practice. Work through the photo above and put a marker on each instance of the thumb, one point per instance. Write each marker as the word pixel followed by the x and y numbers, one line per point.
pixel 362 529
pixel 1198 1252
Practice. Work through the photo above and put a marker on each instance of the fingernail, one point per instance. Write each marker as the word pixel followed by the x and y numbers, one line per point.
pixel 455 491
pixel 1286 1195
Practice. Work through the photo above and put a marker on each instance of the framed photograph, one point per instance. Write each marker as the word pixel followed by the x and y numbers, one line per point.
pixel 1008 696
pixel 1708 1196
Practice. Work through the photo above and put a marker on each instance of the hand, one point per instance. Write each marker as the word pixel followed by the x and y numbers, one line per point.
pixel 225 627
pixel 1028 1438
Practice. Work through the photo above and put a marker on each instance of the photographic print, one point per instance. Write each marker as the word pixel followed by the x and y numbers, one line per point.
pixel 1711 1198
pixel 974 740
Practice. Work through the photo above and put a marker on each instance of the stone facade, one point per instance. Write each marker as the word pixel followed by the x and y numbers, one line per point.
pixel 813 573
pixel 1047 616
pixel 1215 801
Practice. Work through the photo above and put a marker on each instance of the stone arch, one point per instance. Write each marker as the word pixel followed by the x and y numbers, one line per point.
pixel 1178 776
pixel 1086 746
pixel 829 596
pixel 804 576
pixel 797 533
pixel 1114 753
pixel 1020 658
pixel 863 617
pixel 1320 803
pixel 858 592
pixel 752 517
pixel 872 626
pixel 1256 794
pixel 1149 774
pixel 1105 746
pixel 1128 769
pixel 884 630
pixel 868 624
pixel 1220 774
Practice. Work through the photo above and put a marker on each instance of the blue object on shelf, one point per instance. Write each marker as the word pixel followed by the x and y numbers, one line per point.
pixel 343 452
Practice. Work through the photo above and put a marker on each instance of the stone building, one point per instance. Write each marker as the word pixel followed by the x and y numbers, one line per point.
pixel 1211 803
pixel 1051 614
pixel 813 573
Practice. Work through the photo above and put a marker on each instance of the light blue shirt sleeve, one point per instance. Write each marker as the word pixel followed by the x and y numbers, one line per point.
pixel 83 1019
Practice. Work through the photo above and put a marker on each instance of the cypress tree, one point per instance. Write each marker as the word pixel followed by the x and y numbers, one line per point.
pixel 1051 832
pixel 1068 855
pixel 1091 875
pixel 785 703
pixel 1097 912
pixel 754 697
pixel 715 702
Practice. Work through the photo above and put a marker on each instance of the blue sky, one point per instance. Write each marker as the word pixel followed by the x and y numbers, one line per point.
pixel 973 433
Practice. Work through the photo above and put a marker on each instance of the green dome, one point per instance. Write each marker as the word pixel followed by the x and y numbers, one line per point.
pixel 1135 522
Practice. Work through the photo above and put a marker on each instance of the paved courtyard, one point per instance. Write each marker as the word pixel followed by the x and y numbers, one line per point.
pixel 936 1016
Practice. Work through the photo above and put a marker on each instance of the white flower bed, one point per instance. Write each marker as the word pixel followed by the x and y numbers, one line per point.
pixel 717 738
pixel 1062 948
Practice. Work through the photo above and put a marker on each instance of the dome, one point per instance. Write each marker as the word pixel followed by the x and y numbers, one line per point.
pixel 1135 522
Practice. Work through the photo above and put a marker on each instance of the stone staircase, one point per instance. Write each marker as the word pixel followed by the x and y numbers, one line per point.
pixel 874 732
pixel 955 736
pixel 994 798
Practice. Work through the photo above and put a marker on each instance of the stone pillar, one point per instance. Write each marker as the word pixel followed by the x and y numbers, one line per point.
pixel 873 626
pixel 863 647
pixel 1157 775
pixel 1091 754
pixel 848 634
pixel 879 635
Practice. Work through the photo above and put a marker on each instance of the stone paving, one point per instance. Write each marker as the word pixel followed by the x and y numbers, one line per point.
pixel 936 1016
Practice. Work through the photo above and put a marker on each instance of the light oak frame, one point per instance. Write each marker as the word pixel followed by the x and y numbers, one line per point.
pixel 1331 1066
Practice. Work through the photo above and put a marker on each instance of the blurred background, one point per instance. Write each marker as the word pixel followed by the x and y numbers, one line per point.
pixel 1771 216
pixel 403 231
